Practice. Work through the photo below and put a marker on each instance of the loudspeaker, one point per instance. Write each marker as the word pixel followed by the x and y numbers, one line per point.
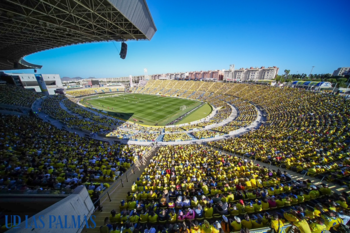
pixel 123 50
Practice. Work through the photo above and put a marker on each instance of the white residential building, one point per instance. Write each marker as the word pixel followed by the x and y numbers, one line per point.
pixel 246 74
pixel 341 71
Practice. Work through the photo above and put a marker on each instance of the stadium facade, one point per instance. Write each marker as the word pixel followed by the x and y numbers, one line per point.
pixel 29 81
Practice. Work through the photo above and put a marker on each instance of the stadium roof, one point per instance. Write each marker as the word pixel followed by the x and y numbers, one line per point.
pixel 29 26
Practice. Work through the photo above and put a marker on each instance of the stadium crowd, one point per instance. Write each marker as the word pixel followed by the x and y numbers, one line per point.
pixel 75 108
pixel 148 137
pixel 197 185
pixel 173 129
pixel 92 91
pixel 226 128
pixel 51 106
pixel 121 134
pixel 304 131
pixel 176 137
pixel 39 158
pixel 198 189
pixel 13 95
pixel 206 134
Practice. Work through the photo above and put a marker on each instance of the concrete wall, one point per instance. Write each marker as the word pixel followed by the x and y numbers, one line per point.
pixel 47 77
pixel 30 204
pixel 37 89
pixel 76 205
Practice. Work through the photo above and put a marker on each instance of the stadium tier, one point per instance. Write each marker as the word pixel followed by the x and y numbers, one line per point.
pixel 214 191
pixel 39 158
pixel 313 124
pixel 93 91
pixel 16 96
pixel 240 178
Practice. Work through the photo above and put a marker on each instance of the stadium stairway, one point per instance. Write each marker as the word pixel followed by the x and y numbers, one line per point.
pixel 193 137
pixel 205 98
pixel 144 90
pixel 111 201
pixel 165 93
pixel 200 95
pixel 169 93
pixel 315 181
pixel 160 138
pixel 70 112
pixel 183 93
pixel 210 95
pixel 191 95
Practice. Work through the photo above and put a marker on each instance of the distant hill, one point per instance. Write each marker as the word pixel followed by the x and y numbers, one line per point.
pixel 70 79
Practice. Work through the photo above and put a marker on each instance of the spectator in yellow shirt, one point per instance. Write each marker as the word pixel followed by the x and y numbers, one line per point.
pixel 318 226
pixel 277 224
pixel 247 222
pixel 236 224
pixel 302 224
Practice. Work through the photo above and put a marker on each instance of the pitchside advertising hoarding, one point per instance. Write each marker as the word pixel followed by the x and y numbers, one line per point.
pixel 42 84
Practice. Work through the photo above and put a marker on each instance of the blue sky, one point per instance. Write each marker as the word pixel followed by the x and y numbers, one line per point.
pixel 209 35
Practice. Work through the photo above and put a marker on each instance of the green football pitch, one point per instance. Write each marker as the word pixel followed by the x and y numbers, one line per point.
pixel 142 108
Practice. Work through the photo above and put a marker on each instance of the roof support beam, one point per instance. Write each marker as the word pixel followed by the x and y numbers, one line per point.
pixel 56 25
pixel 29 26
pixel 71 12
pixel 79 2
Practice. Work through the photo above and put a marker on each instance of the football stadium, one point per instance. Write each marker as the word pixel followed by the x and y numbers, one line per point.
pixel 187 154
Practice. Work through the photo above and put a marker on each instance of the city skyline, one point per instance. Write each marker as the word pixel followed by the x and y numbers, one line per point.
pixel 211 36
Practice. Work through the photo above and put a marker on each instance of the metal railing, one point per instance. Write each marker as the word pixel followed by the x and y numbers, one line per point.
pixel 119 181
pixel 115 185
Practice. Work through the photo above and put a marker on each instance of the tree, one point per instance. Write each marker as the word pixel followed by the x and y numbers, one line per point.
pixel 278 77
pixel 286 73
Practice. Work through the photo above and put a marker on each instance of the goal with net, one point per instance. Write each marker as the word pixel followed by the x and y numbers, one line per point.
pixel 183 107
